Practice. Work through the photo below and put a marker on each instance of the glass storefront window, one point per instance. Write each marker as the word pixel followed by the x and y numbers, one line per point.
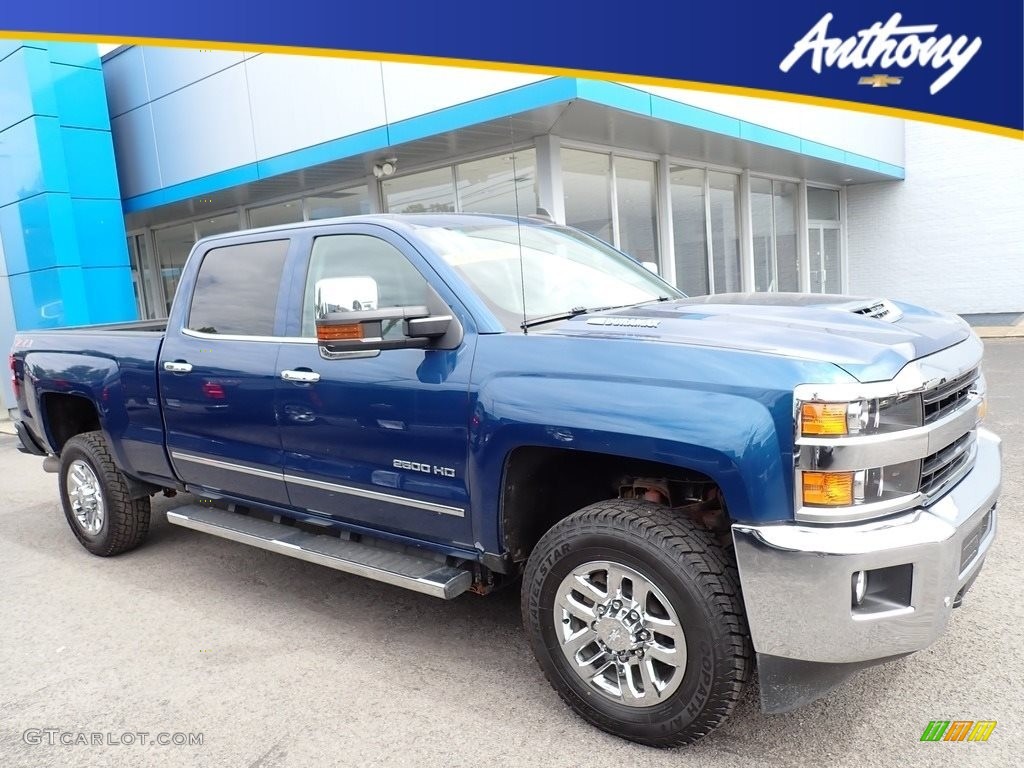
pixel 636 201
pixel 822 204
pixel 497 185
pixel 142 269
pixel 218 225
pixel 689 233
pixel 773 207
pixel 273 215
pixel 172 246
pixel 586 183
pixel 344 202
pixel 784 203
pixel 724 198
pixel 426 192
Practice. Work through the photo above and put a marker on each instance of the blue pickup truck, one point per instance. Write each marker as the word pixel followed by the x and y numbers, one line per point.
pixel 684 488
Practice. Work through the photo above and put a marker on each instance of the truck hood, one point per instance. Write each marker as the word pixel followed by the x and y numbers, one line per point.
pixel 871 339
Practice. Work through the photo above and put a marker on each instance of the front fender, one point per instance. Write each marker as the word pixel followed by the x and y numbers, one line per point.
pixel 731 438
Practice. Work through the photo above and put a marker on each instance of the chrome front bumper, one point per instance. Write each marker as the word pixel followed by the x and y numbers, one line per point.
pixel 796 579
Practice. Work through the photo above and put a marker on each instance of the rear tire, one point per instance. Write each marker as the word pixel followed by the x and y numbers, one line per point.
pixel 96 499
pixel 688 610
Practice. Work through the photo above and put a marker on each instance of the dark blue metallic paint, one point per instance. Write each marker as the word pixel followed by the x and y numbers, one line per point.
pixel 709 389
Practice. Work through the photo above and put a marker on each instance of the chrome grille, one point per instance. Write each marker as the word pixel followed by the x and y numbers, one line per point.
pixel 946 398
pixel 947 465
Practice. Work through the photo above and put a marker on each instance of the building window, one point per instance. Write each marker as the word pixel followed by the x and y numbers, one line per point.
pixel 773 209
pixel 705 230
pixel 723 207
pixel 613 198
pixel 344 202
pixel 172 246
pixel 689 235
pixel 426 192
pixel 823 228
pixel 504 184
pixel 273 215
pixel 636 206
pixel 142 276
pixel 587 186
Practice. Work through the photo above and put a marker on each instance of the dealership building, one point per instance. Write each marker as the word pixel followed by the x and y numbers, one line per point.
pixel 112 168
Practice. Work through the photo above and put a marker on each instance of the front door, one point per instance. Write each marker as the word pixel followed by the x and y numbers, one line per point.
pixel 826 274
pixel 374 438
pixel 218 373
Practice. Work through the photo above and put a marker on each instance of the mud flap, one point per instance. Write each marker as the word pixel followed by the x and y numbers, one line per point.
pixel 788 684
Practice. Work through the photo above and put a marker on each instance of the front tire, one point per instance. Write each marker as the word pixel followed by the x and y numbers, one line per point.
pixel 635 616
pixel 96 499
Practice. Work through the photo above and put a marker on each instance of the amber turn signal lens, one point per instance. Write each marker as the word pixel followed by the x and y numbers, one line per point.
pixel 831 489
pixel 339 332
pixel 823 418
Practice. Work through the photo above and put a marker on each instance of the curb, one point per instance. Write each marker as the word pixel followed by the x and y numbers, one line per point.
pixel 1000 332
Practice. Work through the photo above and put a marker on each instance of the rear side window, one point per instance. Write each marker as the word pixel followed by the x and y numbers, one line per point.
pixel 236 289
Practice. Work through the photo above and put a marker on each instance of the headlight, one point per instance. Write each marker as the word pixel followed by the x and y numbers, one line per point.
pixel 860 417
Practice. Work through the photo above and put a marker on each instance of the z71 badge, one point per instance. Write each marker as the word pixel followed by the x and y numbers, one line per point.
pixel 422 466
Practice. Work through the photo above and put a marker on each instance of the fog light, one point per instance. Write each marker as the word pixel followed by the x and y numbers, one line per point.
pixel 860 587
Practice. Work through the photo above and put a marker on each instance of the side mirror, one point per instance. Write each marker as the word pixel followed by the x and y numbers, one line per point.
pixel 345 294
pixel 377 329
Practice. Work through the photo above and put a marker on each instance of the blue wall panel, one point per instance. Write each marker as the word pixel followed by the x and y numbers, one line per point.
pixel 61 223
pixel 77 94
pixel 38 233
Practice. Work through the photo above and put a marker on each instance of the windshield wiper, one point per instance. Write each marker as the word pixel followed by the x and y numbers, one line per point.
pixel 576 311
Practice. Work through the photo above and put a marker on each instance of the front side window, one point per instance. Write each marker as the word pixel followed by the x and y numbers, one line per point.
pixel 525 272
pixel 358 272
pixel 236 289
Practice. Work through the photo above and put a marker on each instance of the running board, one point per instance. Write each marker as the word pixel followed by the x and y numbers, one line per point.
pixel 419 574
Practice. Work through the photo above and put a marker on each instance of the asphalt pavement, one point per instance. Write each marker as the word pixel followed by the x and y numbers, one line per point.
pixel 277 662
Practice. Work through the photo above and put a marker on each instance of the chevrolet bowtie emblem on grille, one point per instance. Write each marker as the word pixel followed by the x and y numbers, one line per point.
pixel 879 81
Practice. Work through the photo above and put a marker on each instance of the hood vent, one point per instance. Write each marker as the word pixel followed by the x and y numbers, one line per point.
pixel 881 309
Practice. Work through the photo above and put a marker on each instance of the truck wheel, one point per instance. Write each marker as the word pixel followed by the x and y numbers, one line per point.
pixel 636 618
pixel 97 503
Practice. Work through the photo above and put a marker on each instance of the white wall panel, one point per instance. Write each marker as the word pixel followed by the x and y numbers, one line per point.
pixel 124 77
pixel 299 101
pixel 169 69
pixel 138 167
pixel 416 89
pixel 951 236
pixel 204 128
pixel 874 136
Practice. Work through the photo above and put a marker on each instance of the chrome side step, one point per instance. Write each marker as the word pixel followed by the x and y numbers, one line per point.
pixel 420 574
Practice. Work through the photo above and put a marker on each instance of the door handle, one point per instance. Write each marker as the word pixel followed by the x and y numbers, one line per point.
pixel 302 377
pixel 178 367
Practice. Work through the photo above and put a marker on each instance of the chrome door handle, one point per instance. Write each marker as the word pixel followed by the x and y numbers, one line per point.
pixel 303 377
pixel 178 367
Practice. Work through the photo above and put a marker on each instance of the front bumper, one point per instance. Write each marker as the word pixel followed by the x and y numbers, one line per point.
pixel 796 579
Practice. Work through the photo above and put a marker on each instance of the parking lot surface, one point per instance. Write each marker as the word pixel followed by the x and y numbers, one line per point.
pixel 278 662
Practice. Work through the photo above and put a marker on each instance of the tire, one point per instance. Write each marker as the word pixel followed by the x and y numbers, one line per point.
pixel 689 570
pixel 123 522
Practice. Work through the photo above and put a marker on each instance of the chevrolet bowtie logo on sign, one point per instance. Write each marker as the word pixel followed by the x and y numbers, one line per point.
pixel 879 81
pixel 958 730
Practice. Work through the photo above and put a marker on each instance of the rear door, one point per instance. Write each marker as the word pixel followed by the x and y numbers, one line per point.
pixel 379 438
pixel 218 369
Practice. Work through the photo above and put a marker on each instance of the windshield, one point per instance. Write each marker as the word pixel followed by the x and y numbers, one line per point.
pixel 563 270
